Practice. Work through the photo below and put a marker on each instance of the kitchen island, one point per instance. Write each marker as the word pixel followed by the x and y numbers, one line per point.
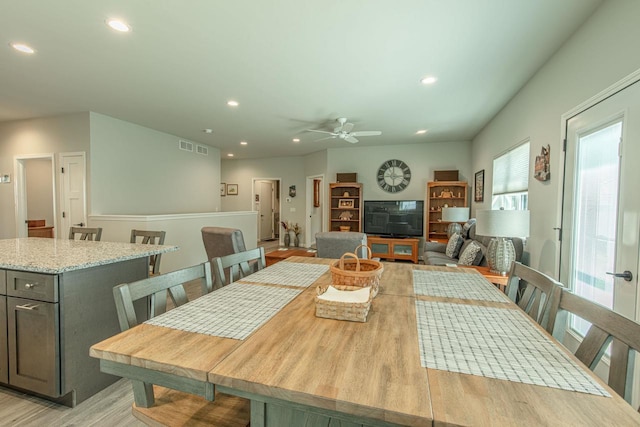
pixel 56 301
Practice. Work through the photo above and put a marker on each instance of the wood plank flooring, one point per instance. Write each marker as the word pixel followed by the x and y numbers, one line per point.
pixel 110 407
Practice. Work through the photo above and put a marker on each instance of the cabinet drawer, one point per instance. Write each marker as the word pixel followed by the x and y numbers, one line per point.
pixel 42 287
pixel 3 282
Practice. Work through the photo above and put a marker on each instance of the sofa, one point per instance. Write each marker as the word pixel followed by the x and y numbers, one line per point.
pixel 435 252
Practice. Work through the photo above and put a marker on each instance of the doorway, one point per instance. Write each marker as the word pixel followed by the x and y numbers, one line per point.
pixel 35 185
pixel 601 209
pixel 314 208
pixel 266 201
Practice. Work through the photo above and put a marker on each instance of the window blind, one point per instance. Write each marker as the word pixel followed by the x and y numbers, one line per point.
pixel 511 171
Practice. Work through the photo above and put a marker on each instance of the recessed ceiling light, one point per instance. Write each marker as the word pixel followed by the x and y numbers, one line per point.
pixel 230 155
pixel 421 132
pixel 427 80
pixel 22 47
pixel 207 130
pixel 243 142
pixel 118 25
pixel 296 139
pixel 233 103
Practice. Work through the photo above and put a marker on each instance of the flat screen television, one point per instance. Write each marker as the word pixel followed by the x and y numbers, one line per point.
pixel 394 218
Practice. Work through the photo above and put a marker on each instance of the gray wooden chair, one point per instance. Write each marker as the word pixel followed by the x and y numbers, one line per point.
pixel 187 402
pixel 238 265
pixel 151 238
pixel 221 241
pixel 533 291
pixel 606 327
pixel 85 233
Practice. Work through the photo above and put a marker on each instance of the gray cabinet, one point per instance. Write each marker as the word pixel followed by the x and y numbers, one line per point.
pixel 48 322
pixel 34 345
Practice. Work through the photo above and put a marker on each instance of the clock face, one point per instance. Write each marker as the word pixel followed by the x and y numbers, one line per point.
pixel 394 176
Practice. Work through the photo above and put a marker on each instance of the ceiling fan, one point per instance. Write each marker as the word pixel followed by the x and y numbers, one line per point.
pixel 344 132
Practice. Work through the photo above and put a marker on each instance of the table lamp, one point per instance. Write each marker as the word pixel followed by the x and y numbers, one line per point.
pixel 454 216
pixel 501 224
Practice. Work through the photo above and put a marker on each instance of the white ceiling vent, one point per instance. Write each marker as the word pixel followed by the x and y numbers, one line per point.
pixel 185 145
pixel 201 149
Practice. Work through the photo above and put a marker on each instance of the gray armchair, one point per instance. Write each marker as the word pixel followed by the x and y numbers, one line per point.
pixel 333 244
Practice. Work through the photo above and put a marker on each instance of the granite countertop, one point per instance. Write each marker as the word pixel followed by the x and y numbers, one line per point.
pixel 53 256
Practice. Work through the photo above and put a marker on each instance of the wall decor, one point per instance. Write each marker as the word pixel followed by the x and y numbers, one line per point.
pixel 316 193
pixel 292 191
pixel 393 176
pixel 542 170
pixel 346 203
pixel 223 189
pixel 232 189
pixel 479 187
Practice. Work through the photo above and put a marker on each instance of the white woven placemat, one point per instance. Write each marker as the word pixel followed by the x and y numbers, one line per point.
pixel 496 343
pixel 455 285
pixel 288 273
pixel 234 311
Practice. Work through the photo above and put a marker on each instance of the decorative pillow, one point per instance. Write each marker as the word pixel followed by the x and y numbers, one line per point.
pixel 471 255
pixel 466 227
pixel 453 247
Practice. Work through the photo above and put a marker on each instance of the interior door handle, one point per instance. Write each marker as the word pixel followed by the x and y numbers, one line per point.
pixel 80 225
pixel 626 275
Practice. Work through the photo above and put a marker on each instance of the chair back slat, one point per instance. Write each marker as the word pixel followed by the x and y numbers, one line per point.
pixel 157 288
pixel 607 327
pixel 149 237
pixel 541 292
pixel 239 264
pixel 85 233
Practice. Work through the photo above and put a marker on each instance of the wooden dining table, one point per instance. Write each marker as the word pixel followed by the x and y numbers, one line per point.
pixel 297 368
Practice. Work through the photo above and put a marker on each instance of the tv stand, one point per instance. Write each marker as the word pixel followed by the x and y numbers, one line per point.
pixel 394 248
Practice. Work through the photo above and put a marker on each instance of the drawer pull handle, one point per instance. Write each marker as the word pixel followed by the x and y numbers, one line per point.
pixel 30 285
pixel 28 306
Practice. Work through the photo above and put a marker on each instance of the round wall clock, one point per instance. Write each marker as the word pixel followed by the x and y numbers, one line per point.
pixel 394 176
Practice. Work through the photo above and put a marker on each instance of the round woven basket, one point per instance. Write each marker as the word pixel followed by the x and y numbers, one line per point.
pixel 349 270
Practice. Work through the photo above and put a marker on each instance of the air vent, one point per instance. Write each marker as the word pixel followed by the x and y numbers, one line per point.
pixel 185 145
pixel 201 149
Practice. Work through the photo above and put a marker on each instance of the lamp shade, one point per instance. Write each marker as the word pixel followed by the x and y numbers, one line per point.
pixel 502 223
pixel 455 214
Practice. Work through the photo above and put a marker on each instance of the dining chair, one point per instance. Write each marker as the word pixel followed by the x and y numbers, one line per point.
pixel 606 327
pixel 149 237
pixel 173 402
pixel 334 244
pixel 533 291
pixel 221 241
pixel 85 233
pixel 237 265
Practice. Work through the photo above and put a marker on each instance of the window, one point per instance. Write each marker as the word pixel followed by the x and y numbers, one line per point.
pixel 511 179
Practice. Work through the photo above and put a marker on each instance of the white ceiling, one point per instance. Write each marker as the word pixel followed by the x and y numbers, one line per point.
pixel 292 65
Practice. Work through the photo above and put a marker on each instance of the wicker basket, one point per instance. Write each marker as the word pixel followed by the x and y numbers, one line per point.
pixel 357 272
pixel 353 311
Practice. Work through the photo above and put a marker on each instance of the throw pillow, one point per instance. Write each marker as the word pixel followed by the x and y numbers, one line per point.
pixel 466 227
pixel 471 255
pixel 453 247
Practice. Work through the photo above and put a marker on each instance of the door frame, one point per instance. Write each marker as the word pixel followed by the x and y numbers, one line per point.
pixel 309 239
pixel 277 182
pixel 20 191
pixel 564 119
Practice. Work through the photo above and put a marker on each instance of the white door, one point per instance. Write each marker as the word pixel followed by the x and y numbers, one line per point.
pixel 72 191
pixel 265 194
pixel 601 206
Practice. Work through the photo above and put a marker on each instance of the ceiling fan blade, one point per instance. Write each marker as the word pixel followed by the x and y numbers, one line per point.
pixel 350 139
pixel 347 127
pixel 322 139
pixel 367 133
pixel 320 131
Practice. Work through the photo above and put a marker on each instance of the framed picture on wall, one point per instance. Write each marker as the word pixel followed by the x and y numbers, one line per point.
pixel 232 189
pixel 479 187
pixel 223 189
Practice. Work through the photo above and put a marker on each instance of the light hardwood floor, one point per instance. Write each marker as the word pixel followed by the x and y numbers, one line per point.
pixel 110 407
